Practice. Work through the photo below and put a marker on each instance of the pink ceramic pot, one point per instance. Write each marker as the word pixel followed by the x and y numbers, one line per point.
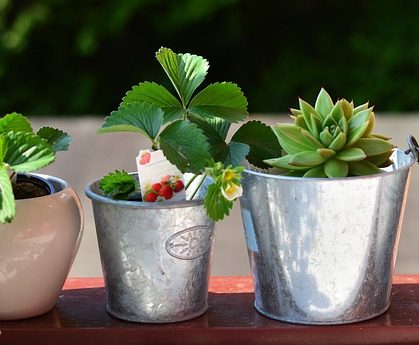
pixel 37 250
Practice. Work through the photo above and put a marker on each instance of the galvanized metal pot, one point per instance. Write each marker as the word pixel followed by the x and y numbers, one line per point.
pixel 155 257
pixel 322 251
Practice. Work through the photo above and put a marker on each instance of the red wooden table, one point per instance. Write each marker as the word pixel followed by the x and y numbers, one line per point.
pixel 80 318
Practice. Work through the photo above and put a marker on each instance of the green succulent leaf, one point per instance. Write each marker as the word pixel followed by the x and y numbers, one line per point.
pixel 324 103
pixel 335 168
pixel 236 153
pixel 373 146
pixel 291 139
pixel 347 108
pixel 185 146
pixel 7 200
pixel 339 142
pixel 326 153
pixel 118 185
pixel 141 117
pixel 262 142
pixel 300 122
pixel 157 95
pixel 381 160
pixel 311 139
pixel 356 133
pixel 185 71
pixel 361 108
pixel 351 155
pixel 316 125
pixel 59 140
pixel 362 168
pixel 216 205
pixel 343 125
pixel 325 137
pixel 26 152
pixel 296 112
pixel 316 172
pixel 283 163
pixel 306 159
pixel 14 122
pixel 359 118
pixel 307 110
pixel 337 111
pixel 224 100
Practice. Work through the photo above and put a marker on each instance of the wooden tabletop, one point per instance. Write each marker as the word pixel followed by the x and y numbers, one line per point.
pixel 80 317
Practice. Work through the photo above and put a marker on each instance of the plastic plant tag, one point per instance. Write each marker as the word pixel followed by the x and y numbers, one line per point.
pixel 159 179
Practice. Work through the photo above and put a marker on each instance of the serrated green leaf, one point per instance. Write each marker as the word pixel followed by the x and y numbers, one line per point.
pixel 362 168
pixel 14 122
pixel 355 134
pixel 373 146
pixel 185 71
pixel 339 142
pixel 141 117
pixel 26 152
pixel 351 155
pixel 7 200
pixel 316 172
pixel 216 205
pixel 59 140
pixel 236 153
pixel 185 146
pixel 335 168
pixel 220 125
pixel 118 185
pixel 224 100
pixel 283 163
pixel 262 142
pixel 291 139
pixel 306 159
pixel 324 103
pixel 157 95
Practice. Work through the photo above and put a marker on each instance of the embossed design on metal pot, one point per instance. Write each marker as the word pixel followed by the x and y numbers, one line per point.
pixel 322 251
pixel 190 243
pixel 144 283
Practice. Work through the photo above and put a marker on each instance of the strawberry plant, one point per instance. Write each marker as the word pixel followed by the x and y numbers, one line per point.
pixel 191 127
pixel 22 151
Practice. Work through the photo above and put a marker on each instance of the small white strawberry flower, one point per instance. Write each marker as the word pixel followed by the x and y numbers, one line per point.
pixel 232 191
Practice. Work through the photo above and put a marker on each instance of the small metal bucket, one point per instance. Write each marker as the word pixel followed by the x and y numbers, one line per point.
pixel 323 251
pixel 155 257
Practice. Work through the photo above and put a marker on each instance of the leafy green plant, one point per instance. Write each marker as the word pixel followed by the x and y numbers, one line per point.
pixel 331 140
pixel 191 126
pixel 23 151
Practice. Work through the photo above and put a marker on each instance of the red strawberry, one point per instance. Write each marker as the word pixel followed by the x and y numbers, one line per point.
pixel 151 197
pixel 178 186
pixel 156 187
pixel 166 192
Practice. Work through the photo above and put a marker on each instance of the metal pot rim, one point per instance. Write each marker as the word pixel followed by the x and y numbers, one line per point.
pixel 93 195
pixel 296 178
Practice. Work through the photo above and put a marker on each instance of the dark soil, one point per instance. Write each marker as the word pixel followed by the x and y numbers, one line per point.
pixel 27 190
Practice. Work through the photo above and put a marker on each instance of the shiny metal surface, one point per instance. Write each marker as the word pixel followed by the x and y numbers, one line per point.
pixel 322 251
pixel 155 257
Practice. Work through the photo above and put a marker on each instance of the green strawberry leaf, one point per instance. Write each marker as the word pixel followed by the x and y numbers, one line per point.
pixel 336 168
pixel 7 200
pixel 224 100
pixel 236 153
pixel 159 96
pixel 118 185
pixel 185 71
pixel 14 122
pixel 324 103
pixel 220 125
pixel 185 146
pixel 59 140
pixel 261 140
pixel 215 204
pixel 141 117
pixel 26 152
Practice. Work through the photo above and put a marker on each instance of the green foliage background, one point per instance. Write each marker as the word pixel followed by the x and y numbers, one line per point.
pixel 80 56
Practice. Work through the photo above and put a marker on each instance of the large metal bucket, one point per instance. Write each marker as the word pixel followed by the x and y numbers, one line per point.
pixel 155 257
pixel 322 251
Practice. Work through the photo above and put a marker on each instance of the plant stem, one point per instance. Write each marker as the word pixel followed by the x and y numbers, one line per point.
pixel 190 181
pixel 199 186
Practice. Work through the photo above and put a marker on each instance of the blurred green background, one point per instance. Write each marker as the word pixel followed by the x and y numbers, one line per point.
pixel 80 56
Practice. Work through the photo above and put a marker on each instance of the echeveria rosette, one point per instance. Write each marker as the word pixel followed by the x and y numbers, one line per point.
pixel 331 140
pixel 23 151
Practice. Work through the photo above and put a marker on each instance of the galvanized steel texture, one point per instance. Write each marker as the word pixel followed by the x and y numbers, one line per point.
pixel 322 251
pixel 155 257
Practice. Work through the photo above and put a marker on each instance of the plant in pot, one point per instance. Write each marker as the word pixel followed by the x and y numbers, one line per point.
pixel 41 219
pixel 155 252
pixel 322 229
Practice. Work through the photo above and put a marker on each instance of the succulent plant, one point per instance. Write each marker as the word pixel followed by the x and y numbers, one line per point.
pixel 331 140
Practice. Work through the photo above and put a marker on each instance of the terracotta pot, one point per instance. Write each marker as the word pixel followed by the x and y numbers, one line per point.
pixel 37 250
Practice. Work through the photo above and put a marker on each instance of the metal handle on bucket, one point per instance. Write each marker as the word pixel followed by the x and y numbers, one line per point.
pixel 413 147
